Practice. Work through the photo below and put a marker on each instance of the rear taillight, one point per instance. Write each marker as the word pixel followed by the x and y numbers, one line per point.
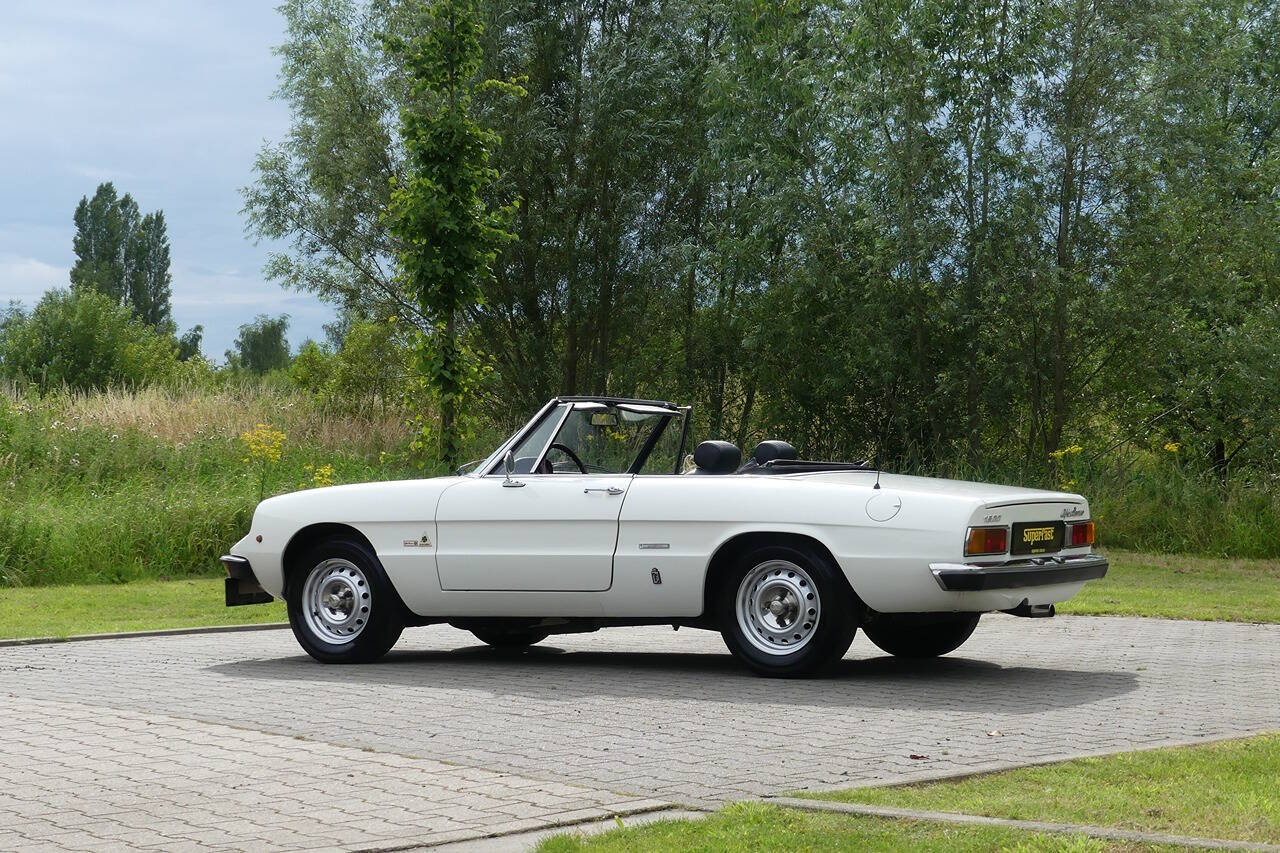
pixel 1082 534
pixel 986 540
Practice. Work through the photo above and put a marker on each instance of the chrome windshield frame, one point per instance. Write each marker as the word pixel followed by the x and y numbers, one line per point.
pixel 489 466
pixel 493 459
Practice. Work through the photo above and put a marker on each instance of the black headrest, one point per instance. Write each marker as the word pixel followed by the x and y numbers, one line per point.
pixel 767 451
pixel 717 457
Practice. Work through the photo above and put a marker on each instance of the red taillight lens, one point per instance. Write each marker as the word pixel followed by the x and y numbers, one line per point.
pixel 986 540
pixel 1082 534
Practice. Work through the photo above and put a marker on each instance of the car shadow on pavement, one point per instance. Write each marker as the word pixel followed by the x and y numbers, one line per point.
pixel 550 673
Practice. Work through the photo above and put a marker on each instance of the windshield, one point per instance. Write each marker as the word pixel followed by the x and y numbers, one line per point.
pixel 599 438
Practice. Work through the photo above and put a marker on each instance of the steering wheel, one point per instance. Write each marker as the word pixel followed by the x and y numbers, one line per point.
pixel 566 451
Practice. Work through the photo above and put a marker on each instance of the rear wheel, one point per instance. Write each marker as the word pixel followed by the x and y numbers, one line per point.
pixel 786 611
pixel 912 637
pixel 342 607
pixel 508 639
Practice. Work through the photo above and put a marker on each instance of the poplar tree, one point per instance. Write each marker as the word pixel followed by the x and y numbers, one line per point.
pixel 147 288
pixel 448 233
pixel 104 225
pixel 123 255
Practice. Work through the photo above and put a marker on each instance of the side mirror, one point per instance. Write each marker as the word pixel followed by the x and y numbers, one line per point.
pixel 509 465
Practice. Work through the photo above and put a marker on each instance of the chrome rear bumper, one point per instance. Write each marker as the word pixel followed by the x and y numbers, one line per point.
pixel 1037 571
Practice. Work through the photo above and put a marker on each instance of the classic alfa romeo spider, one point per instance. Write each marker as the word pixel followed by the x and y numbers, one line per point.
pixel 591 516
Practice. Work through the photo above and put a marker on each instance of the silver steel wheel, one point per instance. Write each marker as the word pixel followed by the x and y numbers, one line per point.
pixel 778 607
pixel 336 599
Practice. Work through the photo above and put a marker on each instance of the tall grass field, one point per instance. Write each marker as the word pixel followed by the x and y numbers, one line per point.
pixel 119 486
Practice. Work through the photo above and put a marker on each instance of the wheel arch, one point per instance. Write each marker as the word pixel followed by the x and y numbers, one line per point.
pixel 725 556
pixel 307 536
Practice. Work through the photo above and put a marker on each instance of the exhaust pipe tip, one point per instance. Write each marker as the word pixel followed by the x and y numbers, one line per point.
pixel 1027 610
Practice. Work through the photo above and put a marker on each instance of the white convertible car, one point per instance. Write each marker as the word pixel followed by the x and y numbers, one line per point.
pixel 584 519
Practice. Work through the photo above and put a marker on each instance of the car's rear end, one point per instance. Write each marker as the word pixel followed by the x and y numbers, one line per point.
pixel 1022 554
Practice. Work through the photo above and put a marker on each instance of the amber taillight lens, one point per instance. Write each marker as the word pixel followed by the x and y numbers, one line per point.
pixel 1082 534
pixel 986 540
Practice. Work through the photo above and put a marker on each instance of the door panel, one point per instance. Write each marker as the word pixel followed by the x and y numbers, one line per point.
pixel 550 534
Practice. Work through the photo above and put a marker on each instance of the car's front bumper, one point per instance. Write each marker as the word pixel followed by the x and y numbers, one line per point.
pixel 1037 571
pixel 242 585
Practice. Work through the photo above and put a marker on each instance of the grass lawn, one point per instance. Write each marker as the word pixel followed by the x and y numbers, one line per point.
pixel 1181 587
pixel 60 611
pixel 760 827
pixel 1227 790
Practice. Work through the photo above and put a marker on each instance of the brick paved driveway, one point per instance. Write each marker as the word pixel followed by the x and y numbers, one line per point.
pixel 238 739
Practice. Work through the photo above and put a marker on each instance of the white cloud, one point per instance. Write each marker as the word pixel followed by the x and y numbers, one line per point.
pixel 27 279
pixel 101 174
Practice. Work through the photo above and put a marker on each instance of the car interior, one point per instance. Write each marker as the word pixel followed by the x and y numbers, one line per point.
pixel 581 436
pixel 770 457
pixel 724 457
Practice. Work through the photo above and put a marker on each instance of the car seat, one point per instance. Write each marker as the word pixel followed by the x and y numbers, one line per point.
pixel 716 457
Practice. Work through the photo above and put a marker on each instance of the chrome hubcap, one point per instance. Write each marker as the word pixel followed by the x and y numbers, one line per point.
pixel 336 601
pixel 778 607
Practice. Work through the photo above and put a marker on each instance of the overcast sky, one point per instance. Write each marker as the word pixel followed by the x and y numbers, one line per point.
pixel 170 100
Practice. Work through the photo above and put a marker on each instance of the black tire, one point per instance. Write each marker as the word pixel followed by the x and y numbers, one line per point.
pixel 913 637
pixel 353 567
pixel 509 639
pixel 827 638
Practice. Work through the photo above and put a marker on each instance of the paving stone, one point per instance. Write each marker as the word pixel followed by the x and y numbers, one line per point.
pixel 239 741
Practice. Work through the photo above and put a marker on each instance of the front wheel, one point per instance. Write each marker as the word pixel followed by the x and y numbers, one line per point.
pixel 915 638
pixel 342 607
pixel 786 611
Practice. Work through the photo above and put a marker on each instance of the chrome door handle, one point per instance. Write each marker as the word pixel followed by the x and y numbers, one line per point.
pixel 612 490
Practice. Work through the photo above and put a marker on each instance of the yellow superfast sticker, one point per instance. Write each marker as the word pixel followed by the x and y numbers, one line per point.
pixel 1034 535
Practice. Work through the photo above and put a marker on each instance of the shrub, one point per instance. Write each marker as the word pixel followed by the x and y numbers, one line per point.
pixel 311 367
pixel 84 341
pixel 367 375
pixel 371 370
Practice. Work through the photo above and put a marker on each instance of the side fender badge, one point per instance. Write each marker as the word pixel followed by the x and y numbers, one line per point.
pixel 656 576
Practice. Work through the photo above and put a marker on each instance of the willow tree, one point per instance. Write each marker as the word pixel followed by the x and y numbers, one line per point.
pixel 448 232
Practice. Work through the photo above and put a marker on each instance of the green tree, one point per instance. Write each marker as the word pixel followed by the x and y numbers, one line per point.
pixel 948 234
pixel 449 232
pixel 325 187
pixel 123 255
pixel 261 346
pixel 1197 266
pixel 104 226
pixel 148 278
pixel 189 343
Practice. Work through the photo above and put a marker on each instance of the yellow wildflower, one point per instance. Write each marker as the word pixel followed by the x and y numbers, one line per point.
pixel 264 443
pixel 1173 446
pixel 323 475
